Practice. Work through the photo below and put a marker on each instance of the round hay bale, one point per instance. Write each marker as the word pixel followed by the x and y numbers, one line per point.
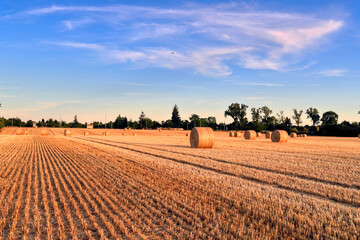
pixel 44 132
pixel 268 135
pixel 304 135
pixel 86 133
pixel 258 134
pixel 202 137
pixel 134 134
pixel 20 132
pixel 250 135
pixel 293 135
pixel 159 130
pixel 279 136
pixel 230 134
pixel 106 133
pixel 67 132
pixel 238 134
pixel 359 135
pixel 187 135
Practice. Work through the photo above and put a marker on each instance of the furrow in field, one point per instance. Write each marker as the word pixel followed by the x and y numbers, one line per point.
pixel 50 185
pixel 171 206
pixel 241 193
pixel 305 168
pixel 97 219
pixel 332 193
pixel 51 232
pixel 94 180
pixel 11 199
pixel 77 213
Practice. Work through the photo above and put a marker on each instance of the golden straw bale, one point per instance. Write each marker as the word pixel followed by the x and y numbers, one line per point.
pixel 86 133
pixel 268 135
pixel 279 136
pixel 230 134
pixel 258 134
pixel 20 132
pixel 202 137
pixel 67 132
pixel 293 135
pixel 239 134
pixel 304 135
pixel 250 135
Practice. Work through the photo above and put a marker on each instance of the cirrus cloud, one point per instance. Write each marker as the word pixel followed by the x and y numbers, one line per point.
pixel 208 39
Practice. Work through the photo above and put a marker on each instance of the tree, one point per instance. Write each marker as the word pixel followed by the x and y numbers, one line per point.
pixel 117 123
pixel 297 116
pixel 256 114
pixel 175 118
pixel 211 122
pixel 29 123
pixel 329 118
pixel 313 114
pixel 243 119
pixel 266 118
pixel 234 112
pixel 142 117
pixel 238 113
pixel 194 120
pixel 2 123
pixel 281 118
pixel 75 123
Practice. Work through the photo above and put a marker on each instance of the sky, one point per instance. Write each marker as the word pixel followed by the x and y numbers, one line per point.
pixel 99 59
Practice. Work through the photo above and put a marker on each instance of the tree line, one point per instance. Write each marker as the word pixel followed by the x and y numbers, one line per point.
pixel 260 119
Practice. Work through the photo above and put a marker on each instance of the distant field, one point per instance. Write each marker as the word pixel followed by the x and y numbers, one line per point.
pixel 153 185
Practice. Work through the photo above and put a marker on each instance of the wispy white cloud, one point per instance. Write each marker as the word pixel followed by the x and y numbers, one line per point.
pixel 213 38
pixel 333 73
pixel 260 84
pixel 73 24
pixel 89 46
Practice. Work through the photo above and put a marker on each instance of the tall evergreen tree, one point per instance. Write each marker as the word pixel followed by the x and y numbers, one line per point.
pixel 175 118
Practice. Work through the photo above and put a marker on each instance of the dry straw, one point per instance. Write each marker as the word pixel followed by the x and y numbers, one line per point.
pixel 304 135
pixel 279 136
pixel 250 135
pixel 67 132
pixel 20 132
pixel 293 135
pixel 86 133
pixel 238 134
pixel 268 135
pixel 202 137
pixel 258 134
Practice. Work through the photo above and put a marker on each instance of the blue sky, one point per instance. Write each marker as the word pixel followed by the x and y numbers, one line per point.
pixel 97 58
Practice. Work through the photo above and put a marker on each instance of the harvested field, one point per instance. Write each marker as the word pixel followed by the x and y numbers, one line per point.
pixel 156 186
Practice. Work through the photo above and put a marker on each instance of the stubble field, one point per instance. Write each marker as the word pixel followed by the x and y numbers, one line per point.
pixel 152 185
